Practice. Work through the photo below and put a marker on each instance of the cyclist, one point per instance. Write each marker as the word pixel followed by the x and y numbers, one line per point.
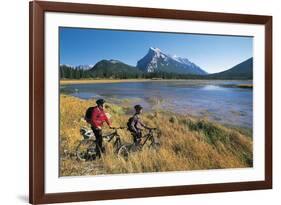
pixel 98 117
pixel 135 125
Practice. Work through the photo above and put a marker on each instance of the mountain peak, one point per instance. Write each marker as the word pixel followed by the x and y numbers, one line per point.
pixel 114 61
pixel 157 50
pixel 157 61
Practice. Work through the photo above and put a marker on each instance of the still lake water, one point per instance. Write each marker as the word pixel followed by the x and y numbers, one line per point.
pixel 220 101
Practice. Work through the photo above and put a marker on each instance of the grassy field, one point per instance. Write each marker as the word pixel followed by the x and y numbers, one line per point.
pixel 245 85
pixel 186 143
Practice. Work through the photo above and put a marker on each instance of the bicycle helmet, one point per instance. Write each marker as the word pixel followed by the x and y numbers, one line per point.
pixel 100 101
pixel 138 107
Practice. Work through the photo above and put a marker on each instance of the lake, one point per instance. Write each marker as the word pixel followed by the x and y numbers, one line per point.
pixel 221 101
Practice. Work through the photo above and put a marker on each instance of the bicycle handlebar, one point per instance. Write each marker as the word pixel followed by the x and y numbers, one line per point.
pixel 117 128
pixel 152 128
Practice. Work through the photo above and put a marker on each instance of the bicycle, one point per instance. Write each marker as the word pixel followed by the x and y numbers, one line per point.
pixel 151 137
pixel 87 149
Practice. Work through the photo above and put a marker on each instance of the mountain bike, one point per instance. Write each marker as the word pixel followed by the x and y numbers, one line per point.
pixel 87 148
pixel 150 139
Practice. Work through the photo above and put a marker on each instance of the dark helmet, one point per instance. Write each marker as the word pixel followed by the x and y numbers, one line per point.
pixel 100 101
pixel 138 107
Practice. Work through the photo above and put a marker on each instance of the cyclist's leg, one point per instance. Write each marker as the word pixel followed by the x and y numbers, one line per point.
pixel 133 135
pixel 98 135
pixel 137 137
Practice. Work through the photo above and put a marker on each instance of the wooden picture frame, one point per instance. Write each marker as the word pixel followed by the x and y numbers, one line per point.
pixel 37 101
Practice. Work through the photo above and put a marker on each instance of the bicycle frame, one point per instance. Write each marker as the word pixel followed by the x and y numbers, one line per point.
pixel 148 136
pixel 117 143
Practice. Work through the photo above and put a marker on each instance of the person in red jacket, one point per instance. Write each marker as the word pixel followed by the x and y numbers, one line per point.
pixel 97 120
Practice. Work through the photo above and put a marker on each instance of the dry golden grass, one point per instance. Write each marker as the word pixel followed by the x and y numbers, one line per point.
pixel 186 143
pixel 245 85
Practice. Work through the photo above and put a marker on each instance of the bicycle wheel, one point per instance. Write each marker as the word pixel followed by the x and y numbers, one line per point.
pixel 86 150
pixel 123 151
pixel 155 144
pixel 117 144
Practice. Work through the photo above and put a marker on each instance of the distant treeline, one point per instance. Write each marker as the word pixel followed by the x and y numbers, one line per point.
pixel 73 73
pixel 78 73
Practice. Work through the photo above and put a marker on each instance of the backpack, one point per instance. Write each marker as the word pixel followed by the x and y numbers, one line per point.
pixel 88 114
pixel 129 123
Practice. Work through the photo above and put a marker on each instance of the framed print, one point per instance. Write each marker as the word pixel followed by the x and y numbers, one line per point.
pixel 138 102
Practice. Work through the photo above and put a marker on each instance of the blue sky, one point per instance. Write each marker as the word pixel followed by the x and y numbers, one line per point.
pixel 213 53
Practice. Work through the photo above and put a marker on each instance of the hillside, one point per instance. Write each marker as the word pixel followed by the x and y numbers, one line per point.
pixel 243 70
pixel 114 69
pixel 186 143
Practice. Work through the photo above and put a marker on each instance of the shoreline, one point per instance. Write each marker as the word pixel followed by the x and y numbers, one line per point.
pixel 209 117
pixel 98 81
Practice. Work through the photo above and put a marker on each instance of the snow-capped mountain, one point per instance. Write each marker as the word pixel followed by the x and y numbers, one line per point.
pixel 155 61
pixel 84 67
pixel 67 65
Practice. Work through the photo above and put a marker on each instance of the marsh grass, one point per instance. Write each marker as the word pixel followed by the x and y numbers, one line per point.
pixel 186 143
